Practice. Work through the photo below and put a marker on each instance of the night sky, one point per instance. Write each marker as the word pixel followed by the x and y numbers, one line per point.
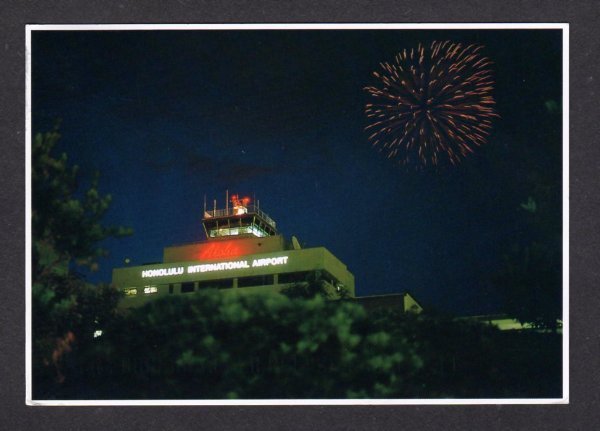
pixel 167 117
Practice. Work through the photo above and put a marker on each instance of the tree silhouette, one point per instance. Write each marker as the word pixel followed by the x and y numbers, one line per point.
pixel 66 228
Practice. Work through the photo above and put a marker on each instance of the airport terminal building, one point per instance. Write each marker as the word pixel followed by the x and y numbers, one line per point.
pixel 242 253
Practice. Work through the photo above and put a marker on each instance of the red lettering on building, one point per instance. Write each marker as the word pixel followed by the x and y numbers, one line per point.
pixel 221 249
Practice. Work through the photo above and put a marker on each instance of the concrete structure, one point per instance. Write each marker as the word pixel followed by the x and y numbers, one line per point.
pixel 242 253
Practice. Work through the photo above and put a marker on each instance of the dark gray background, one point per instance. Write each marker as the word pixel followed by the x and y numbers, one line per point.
pixel 583 410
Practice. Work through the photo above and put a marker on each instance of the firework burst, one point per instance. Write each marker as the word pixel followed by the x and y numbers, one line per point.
pixel 433 104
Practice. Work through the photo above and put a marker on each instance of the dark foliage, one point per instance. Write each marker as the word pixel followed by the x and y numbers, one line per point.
pixel 224 346
pixel 531 277
pixel 66 228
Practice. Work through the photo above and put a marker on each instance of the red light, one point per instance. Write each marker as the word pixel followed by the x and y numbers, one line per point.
pixel 237 201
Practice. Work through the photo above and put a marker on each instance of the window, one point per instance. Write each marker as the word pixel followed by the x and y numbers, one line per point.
pixel 170 288
pixel 258 231
pixel 216 284
pixel 187 287
pixel 130 291
pixel 307 276
pixel 239 230
pixel 293 277
pixel 260 280
pixel 150 289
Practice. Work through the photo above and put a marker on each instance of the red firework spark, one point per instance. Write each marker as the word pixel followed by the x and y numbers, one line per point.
pixel 432 105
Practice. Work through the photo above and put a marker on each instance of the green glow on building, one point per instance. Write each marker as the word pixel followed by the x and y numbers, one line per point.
pixel 242 253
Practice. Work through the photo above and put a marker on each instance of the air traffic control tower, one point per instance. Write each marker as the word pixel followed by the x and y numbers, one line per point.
pixel 242 253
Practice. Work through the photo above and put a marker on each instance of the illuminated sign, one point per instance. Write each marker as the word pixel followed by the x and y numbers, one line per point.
pixel 282 260
pixel 162 272
pixel 221 250
pixel 217 266
pixel 210 267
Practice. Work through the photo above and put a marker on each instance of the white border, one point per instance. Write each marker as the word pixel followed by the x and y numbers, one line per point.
pixel 429 26
pixel 324 26
pixel 302 402
pixel 28 286
pixel 566 204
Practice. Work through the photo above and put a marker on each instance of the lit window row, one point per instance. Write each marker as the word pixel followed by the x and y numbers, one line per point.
pixel 132 291
pixel 230 231
pixel 253 281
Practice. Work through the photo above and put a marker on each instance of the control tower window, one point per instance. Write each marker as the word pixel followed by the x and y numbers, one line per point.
pixel 239 217
pixel 243 230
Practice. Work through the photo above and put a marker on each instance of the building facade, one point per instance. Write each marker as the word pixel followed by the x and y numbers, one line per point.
pixel 242 253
